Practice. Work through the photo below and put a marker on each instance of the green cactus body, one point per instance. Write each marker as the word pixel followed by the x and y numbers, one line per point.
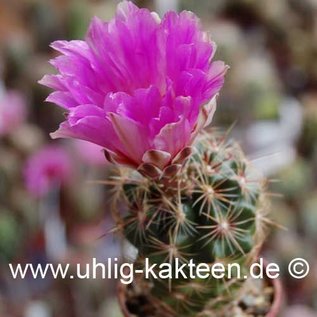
pixel 210 212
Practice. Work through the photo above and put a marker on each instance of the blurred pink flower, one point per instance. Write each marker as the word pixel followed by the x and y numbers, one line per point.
pixel 12 111
pixel 47 168
pixel 140 87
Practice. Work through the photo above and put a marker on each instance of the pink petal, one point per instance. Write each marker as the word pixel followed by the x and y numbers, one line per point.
pixel 205 117
pixel 62 98
pixel 118 158
pixel 131 135
pixel 173 137
pixel 88 122
pixel 52 81
pixel 157 158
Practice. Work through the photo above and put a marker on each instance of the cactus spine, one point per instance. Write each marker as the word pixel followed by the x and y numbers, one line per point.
pixel 211 211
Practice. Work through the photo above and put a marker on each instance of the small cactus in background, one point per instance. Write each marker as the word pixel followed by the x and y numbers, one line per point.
pixel 143 88
pixel 212 211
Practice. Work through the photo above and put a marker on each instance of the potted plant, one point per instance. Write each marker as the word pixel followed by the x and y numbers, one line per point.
pixel 144 89
pixel 214 211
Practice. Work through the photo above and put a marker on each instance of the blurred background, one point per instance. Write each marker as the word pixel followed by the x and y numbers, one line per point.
pixel 269 100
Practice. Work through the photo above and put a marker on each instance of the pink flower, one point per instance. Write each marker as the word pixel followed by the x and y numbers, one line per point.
pixel 140 87
pixel 90 153
pixel 47 169
pixel 12 111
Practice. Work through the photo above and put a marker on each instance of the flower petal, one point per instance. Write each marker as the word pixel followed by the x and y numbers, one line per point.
pixel 62 98
pixel 157 158
pixel 118 158
pixel 205 117
pixel 173 137
pixel 52 81
pixel 131 135
pixel 88 122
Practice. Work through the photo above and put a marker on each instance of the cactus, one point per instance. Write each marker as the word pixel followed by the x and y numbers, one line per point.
pixel 144 88
pixel 212 210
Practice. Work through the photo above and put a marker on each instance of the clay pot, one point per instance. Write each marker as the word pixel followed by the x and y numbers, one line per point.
pixel 274 311
pixel 277 300
pixel 122 300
